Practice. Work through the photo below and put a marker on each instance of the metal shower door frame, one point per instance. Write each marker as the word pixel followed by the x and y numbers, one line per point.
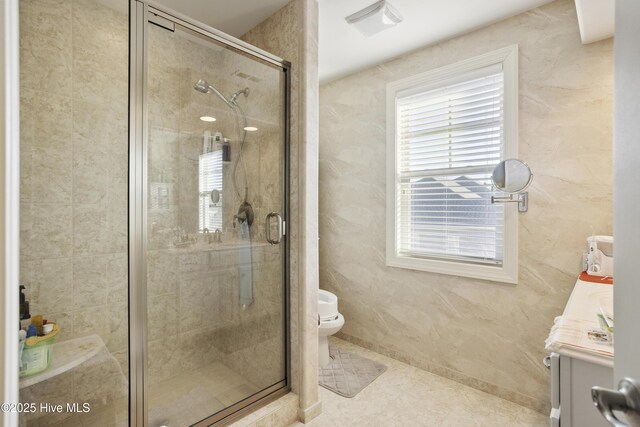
pixel 140 13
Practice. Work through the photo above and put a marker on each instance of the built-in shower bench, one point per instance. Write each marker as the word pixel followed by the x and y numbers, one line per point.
pixel 65 356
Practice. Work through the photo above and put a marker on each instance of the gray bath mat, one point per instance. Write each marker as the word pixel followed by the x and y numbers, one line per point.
pixel 349 373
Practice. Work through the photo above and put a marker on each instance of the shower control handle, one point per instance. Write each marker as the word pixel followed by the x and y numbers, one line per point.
pixel 278 239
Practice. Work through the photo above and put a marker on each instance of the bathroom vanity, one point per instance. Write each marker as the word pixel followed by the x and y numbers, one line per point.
pixel 578 361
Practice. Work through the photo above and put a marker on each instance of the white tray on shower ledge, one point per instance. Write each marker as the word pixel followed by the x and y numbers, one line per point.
pixel 66 355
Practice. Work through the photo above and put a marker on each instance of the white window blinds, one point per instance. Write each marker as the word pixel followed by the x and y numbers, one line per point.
pixel 448 140
pixel 210 178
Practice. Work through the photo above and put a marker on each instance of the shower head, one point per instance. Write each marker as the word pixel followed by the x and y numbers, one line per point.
pixel 244 92
pixel 204 87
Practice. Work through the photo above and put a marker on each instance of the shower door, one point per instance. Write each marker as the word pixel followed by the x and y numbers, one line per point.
pixel 208 253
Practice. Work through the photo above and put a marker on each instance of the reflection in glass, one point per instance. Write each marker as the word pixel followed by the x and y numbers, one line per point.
pixel 210 185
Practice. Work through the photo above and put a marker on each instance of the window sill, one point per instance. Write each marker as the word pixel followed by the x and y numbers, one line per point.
pixel 492 273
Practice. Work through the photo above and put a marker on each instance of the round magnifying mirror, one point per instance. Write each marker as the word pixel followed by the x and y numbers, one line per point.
pixel 215 196
pixel 512 176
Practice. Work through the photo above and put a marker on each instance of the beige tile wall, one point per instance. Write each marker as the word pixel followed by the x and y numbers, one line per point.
pixel 74 144
pixel 74 165
pixel 489 335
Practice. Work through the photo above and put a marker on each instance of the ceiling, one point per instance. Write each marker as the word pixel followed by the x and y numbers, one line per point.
pixel 232 17
pixel 343 50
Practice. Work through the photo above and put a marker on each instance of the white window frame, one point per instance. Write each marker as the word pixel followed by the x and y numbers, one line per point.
pixel 508 271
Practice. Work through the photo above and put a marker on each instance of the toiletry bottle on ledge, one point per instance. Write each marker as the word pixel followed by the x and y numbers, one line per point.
pixel 38 321
pixel 25 316
pixel 31 331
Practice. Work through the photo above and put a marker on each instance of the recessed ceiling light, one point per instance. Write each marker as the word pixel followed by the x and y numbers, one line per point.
pixel 375 18
pixel 250 128
pixel 208 119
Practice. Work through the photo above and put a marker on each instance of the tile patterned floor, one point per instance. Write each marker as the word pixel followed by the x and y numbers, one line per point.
pixel 406 396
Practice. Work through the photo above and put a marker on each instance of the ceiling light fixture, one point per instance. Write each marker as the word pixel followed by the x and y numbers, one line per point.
pixel 208 119
pixel 375 18
pixel 250 128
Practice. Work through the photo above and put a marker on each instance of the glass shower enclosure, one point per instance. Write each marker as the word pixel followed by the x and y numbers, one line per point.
pixel 210 160
pixel 154 174
pixel 208 153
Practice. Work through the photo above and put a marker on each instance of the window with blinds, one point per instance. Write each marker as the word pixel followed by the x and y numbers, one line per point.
pixel 210 178
pixel 449 134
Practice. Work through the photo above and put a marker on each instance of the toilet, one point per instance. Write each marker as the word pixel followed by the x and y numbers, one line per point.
pixel 329 323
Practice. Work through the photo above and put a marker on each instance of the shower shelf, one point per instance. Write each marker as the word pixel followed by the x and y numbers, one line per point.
pixel 67 355
pixel 215 247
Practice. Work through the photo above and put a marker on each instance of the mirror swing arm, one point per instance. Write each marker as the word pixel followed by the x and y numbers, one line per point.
pixel 512 176
pixel 522 200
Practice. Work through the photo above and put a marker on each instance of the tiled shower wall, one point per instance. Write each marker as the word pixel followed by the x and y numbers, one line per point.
pixel 74 113
pixel 73 230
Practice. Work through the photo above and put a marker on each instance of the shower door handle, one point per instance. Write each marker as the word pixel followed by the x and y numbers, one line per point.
pixel 278 239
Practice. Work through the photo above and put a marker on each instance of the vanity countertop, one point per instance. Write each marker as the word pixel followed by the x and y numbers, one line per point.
pixel 570 333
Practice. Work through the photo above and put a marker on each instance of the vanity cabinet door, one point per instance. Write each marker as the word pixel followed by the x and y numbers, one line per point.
pixel 576 379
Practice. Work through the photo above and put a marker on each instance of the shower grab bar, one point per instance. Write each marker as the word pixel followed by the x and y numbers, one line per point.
pixel 268 227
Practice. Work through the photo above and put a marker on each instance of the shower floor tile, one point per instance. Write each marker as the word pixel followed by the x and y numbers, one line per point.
pixel 184 400
pixel 408 396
